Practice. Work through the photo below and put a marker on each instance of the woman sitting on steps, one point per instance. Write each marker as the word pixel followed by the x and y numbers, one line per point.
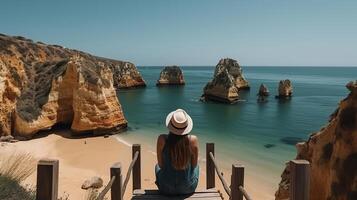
pixel 177 170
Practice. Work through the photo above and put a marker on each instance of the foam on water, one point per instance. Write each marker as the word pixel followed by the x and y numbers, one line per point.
pixel 122 141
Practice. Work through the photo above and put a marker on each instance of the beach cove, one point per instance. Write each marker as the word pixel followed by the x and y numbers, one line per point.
pixel 259 135
pixel 266 89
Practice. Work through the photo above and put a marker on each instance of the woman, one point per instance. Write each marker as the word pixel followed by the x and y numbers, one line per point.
pixel 177 156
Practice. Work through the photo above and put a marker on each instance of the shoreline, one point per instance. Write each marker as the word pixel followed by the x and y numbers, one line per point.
pixel 82 158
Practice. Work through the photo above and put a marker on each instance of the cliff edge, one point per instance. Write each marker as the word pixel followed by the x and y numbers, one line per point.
pixel 43 85
pixel 332 153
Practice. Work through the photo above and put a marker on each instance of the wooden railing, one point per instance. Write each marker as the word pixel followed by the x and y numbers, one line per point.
pixel 106 189
pixel 47 178
pixel 115 171
pixel 236 191
pixel 299 178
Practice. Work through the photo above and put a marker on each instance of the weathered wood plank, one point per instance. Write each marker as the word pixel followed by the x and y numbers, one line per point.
pixel 210 174
pixel 237 179
pixel 47 179
pixel 116 193
pixel 201 195
pixel 155 195
pixel 140 192
pixel 136 167
pixel 300 180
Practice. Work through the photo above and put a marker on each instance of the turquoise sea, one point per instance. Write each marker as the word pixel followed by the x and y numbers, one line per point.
pixel 261 136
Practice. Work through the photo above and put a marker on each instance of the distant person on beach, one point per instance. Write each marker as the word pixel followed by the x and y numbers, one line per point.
pixel 177 170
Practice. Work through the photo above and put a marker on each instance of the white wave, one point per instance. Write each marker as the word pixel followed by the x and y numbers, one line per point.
pixel 123 141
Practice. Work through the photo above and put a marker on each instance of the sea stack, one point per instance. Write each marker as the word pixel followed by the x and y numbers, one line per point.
pixel 332 153
pixel 126 75
pixel 263 93
pixel 227 81
pixel 44 85
pixel 285 90
pixel 171 75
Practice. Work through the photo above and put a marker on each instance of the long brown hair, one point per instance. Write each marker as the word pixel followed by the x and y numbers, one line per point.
pixel 180 151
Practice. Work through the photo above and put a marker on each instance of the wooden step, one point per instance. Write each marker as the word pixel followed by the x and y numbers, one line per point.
pixel 210 194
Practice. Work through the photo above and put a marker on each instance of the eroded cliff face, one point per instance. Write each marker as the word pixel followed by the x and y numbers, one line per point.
pixel 227 81
pixel 43 85
pixel 171 75
pixel 332 153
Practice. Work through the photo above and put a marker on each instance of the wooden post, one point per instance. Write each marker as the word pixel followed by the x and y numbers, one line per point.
pixel 237 180
pixel 299 180
pixel 136 168
pixel 47 179
pixel 210 172
pixel 115 191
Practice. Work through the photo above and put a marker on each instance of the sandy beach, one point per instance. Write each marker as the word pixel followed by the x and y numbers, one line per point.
pixel 83 158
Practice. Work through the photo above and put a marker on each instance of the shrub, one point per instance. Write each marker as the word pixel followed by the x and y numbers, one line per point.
pixel 14 169
pixel 17 167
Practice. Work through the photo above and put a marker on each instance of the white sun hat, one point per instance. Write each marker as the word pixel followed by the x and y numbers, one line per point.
pixel 179 122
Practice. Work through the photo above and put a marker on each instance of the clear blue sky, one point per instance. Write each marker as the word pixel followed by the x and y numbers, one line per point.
pixel 194 32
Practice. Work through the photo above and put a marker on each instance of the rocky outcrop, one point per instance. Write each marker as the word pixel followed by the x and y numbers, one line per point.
pixel 227 81
pixel 263 90
pixel 221 89
pixel 43 85
pixel 171 75
pixel 263 93
pixel 285 90
pixel 126 75
pixel 332 153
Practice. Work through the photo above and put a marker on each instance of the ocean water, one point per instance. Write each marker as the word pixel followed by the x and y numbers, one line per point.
pixel 261 136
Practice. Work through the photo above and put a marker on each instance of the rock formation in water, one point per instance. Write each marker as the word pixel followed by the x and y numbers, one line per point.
pixel 43 85
pixel 263 90
pixel 171 75
pixel 332 153
pixel 263 93
pixel 227 81
pixel 285 90
pixel 126 75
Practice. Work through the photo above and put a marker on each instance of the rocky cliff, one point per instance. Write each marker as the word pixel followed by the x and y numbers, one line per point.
pixel 171 75
pixel 43 85
pixel 227 81
pixel 332 153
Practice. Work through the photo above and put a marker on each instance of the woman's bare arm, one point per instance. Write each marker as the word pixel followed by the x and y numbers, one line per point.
pixel 194 149
pixel 159 147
